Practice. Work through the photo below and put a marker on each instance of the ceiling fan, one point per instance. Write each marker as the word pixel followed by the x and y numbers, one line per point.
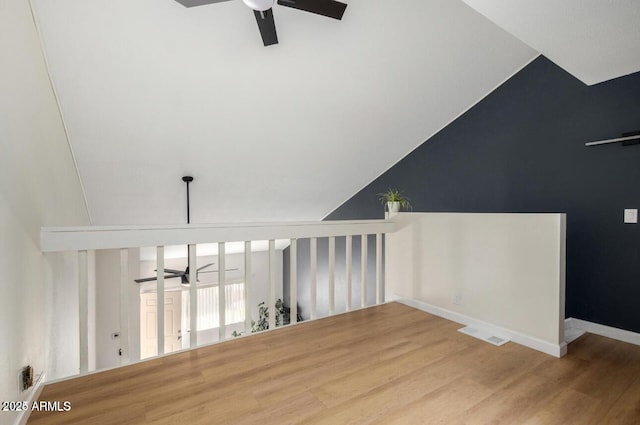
pixel 262 9
pixel 183 274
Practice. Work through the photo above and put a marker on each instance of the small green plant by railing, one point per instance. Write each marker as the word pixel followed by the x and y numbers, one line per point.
pixel 263 317
pixel 395 195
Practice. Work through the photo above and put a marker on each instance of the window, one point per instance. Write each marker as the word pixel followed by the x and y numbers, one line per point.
pixel 208 316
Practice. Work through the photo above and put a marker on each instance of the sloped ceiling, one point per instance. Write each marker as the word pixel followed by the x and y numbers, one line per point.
pixel 151 91
pixel 594 40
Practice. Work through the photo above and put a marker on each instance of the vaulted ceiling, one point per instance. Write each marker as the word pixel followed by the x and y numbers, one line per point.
pixel 151 91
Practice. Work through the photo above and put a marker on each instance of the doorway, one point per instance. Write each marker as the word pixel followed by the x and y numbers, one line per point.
pixel 149 323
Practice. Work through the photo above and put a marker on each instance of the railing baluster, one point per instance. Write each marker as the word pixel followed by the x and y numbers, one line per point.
pixel 313 271
pixel 160 299
pixel 124 305
pixel 272 284
pixel 332 275
pixel 293 281
pixel 378 268
pixel 247 286
pixel 222 290
pixel 83 309
pixel 348 268
pixel 363 271
pixel 193 298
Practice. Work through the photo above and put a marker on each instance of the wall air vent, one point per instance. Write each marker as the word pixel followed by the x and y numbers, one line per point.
pixel 484 335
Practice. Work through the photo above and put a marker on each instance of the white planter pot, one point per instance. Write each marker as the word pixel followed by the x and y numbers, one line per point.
pixel 393 208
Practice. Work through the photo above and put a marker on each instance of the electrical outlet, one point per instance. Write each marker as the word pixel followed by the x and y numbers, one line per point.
pixel 457 298
pixel 26 378
pixel 631 215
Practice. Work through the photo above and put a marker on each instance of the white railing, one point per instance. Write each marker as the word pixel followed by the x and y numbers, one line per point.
pixel 84 239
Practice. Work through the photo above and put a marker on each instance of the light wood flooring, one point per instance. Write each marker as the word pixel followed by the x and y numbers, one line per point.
pixel 389 364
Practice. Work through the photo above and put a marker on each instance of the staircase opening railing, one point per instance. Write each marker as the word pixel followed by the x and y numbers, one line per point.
pixel 318 268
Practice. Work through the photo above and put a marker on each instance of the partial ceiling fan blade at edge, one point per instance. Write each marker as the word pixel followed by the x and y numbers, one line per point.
pixel 267 26
pixel 216 271
pixel 194 3
pixel 172 271
pixel 205 266
pixel 151 279
pixel 329 8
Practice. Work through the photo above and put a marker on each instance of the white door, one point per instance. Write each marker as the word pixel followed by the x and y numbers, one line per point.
pixel 149 323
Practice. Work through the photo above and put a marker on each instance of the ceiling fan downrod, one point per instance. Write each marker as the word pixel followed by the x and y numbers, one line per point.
pixel 187 180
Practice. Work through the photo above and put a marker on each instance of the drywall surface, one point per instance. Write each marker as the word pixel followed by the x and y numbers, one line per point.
pixel 503 269
pixel 38 187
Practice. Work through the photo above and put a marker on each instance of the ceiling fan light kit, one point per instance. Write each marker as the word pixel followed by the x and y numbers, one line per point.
pixel 263 12
pixel 259 5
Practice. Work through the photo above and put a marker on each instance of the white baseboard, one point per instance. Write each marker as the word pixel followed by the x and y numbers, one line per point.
pixel 603 330
pixel 34 393
pixel 556 350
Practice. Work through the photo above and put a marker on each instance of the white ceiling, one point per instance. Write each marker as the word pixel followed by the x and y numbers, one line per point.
pixel 151 91
pixel 594 40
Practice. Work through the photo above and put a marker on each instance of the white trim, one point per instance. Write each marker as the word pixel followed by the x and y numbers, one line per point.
pixel 23 416
pixel 556 350
pixel 616 140
pixel 63 121
pixel 603 330
pixel 54 239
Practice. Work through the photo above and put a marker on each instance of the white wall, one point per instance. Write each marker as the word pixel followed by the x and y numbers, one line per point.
pixel 506 269
pixel 108 308
pixel 38 186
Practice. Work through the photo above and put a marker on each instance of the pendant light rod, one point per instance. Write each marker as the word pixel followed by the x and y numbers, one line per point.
pixel 187 180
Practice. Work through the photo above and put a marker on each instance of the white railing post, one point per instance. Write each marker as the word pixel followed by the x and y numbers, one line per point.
pixel 293 281
pixel 83 310
pixel 332 275
pixel 348 269
pixel 124 305
pixel 193 297
pixel 160 299
pixel 313 278
pixel 378 268
pixel 363 271
pixel 247 286
pixel 272 284
pixel 222 304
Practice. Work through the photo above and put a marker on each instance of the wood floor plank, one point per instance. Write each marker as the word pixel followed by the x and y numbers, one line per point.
pixel 385 364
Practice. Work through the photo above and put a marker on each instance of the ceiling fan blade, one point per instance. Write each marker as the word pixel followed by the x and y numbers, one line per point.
pixel 205 266
pixel 267 26
pixel 192 3
pixel 216 271
pixel 151 279
pixel 329 8
pixel 172 271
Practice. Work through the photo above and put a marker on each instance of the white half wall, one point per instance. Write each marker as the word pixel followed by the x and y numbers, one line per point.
pixel 505 270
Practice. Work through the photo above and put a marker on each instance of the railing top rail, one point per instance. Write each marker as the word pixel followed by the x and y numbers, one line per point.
pixel 54 239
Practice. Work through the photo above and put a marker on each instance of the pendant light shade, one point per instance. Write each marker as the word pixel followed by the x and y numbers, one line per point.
pixel 259 5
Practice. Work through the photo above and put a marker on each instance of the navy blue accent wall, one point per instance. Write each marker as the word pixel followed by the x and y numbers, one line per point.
pixel 521 149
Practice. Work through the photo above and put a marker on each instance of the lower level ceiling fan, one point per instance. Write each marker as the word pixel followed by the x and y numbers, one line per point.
pixel 183 274
pixel 262 9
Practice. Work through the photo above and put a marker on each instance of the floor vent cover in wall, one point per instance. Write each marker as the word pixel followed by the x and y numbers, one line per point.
pixel 484 336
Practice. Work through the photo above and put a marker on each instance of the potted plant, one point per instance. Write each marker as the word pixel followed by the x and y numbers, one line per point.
pixel 394 200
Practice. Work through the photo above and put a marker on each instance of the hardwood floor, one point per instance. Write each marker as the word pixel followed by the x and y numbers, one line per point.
pixel 389 364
